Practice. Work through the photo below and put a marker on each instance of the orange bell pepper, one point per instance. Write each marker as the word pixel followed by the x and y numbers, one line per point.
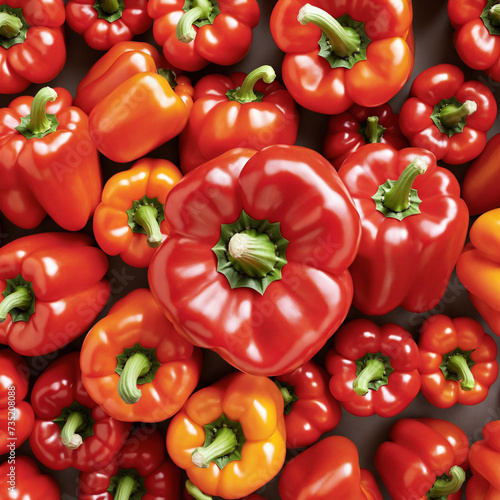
pixel 230 436
pixel 478 268
pixel 130 220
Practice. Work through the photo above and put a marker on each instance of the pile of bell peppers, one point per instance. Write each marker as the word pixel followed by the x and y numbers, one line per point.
pixel 194 304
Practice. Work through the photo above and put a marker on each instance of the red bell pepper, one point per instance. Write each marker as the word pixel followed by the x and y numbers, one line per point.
pixel 448 116
pixel 48 163
pixel 20 478
pixel 194 33
pixel 457 361
pixel 359 60
pixel 130 219
pixel 52 289
pixel 327 470
pixel 140 470
pixel 414 228
pixel 424 459
pixel 485 463
pixel 104 23
pixel 374 369
pixel 358 126
pixel 71 430
pixel 135 365
pixel 237 111
pixel 478 268
pixel 310 409
pixel 296 232
pixel 16 415
pixel 32 46
pixel 476 33
pixel 230 436
pixel 480 185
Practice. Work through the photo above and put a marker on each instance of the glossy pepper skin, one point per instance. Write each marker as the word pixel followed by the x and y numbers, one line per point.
pixel 372 71
pixel 457 361
pixel 106 22
pixel 141 466
pixel 448 116
pixel 56 289
pixel 33 32
pixel 47 167
pixel 277 315
pixel 228 114
pixel 135 365
pixel 359 125
pixel 329 469
pixel 484 459
pixel 310 409
pixel 221 34
pixel 16 415
pixel 71 430
pixel 252 409
pixel 476 34
pixel 478 268
pixel 374 369
pixel 121 226
pixel 405 262
pixel 33 486
pixel 480 184
pixel 418 453
pixel 140 114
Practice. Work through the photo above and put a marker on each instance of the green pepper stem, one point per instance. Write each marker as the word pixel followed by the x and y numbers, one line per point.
pixel 109 6
pixel 39 122
pixel 344 41
pixel 20 299
pixel 10 25
pixel 450 115
pixel 373 131
pixel 445 487
pixel 397 199
pixel 75 422
pixel 147 217
pixel 169 75
pixel 252 253
pixel 245 93
pixel 224 443
pixel 494 14
pixel 200 9
pixel 126 486
pixel 458 364
pixel 195 492
pixel 374 370
pixel 287 396
pixel 136 366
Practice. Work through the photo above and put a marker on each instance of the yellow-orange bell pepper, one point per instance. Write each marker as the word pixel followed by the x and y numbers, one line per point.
pixel 478 268
pixel 241 418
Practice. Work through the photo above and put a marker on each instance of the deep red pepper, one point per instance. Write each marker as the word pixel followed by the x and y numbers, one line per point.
pixel 16 415
pixel 56 289
pixel 408 249
pixel 140 467
pixel 237 111
pixel 374 369
pixel 210 30
pixel 310 409
pixel 424 459
pixel 32 46
pixel 457 361
pixel 359 125
pixel 327 470
pixel 22 479
pixel 71 430
pixel 104 23
pixel 448 116
pixel 48 163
